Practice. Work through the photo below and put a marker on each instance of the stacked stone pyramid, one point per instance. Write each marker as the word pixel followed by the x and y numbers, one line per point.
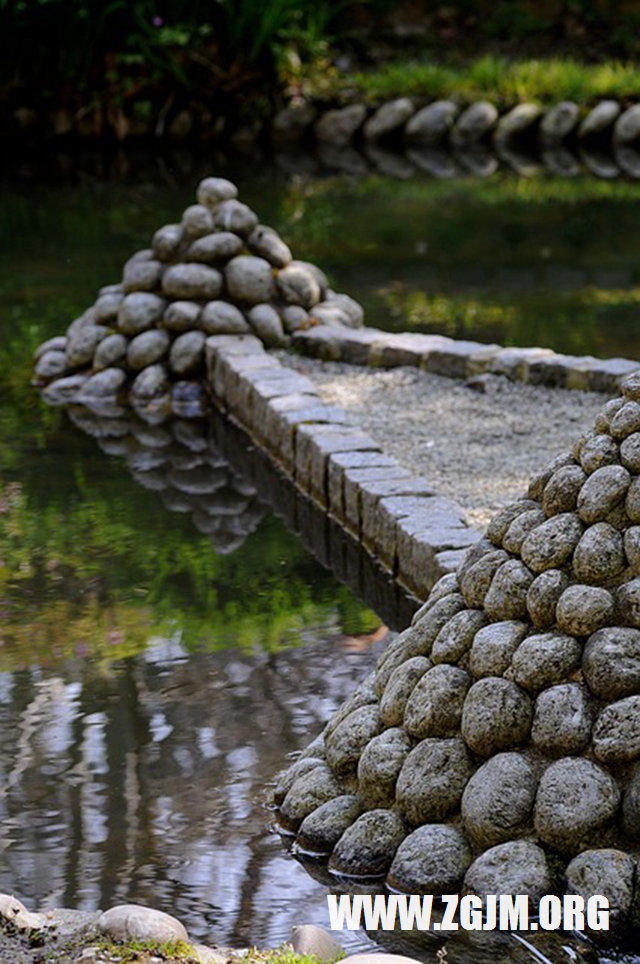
pixel 496 747
pixel 217 272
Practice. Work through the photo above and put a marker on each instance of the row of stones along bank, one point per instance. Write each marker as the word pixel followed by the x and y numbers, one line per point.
pixel 398 518
pixel 463 359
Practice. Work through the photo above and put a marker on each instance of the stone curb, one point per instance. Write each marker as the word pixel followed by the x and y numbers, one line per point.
pixel 415 534
pixel 464 359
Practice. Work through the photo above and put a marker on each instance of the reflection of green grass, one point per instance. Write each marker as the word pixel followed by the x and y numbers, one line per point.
pixel 545 81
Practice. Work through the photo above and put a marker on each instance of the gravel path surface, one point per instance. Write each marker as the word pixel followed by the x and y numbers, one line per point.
pixel 478 447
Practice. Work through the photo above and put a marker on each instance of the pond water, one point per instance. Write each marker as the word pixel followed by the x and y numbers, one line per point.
pixel 151 687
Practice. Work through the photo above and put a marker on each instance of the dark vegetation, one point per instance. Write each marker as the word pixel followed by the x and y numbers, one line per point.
pixel 121 67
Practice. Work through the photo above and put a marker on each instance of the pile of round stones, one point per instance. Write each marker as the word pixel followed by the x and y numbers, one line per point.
pixel 496 747
pixel 218 272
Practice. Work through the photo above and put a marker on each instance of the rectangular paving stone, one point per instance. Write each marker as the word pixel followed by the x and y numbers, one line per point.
pixel 281 426
pixel 459 359
pixel 561 371
pixel 355 479
pixel 339 462
pixel 514 362
pixel 314 445
pixel 606 374
pixel 320 342
pixel 406 348
pixel 370 494
pixel 355 344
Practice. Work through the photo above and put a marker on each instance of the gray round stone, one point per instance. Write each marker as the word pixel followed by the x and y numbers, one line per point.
pixel 236 217
pixel 142 276
pixel 250 279
pixel 151 382
pixel 140 311
pixel 631 386
pixel 298 286
pixel 598 451
pixel 515 867
pixel 626 421
pixel 82 344
pixel 476 579
pixel 474 123
pixel 616 732
pixel 540 479
pixel 432 123
pixel 368 846
pixel 457 635
pixel 266 243
pixel 166 242
pixel 493 647
pixel 379 766
pixel 306 794
pixel 432 780
pixel 608 872
pixel 576 799
pixel 51 364
pixel 212 190
pixel 501 521
pixel 337 127
pixel 214 248
pixel 497 716
pixel 223 318
pixel 388 118
pixel 632 501
pixel 628 603
pixel 631 805
pixel 107 307
pixel 132 922
pixel 498 800
pixel 147 348
pixel 631 542
pixel 611 662
pixel 562 720
pixel 321 830
pixel 543 595
pixel 599 556
pixel 445 586
pixel 582 610
pixel 291 774
pixel 294 318
pixel 196 221
pixel 544 659
pixel 434 708
pixel 630 452
pixel 551 544
pixel 520 528
pixel 559 121
pixel 265 322
pixel 397 691
pixel 182 315
pixel 603 491
pixel 112 350
pixel 191 282
pixel 187 352
pixel 561 491
pixel 431 860
pixel 104 384
pixel 507 595
pixel 347 741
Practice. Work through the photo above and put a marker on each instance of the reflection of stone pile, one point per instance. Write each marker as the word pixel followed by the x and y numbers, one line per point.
pixel 177 460
pixel 217 272
pixel 497 745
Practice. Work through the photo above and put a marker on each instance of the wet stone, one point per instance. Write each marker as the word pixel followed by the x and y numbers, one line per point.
pixel 494 646
pixel 602 492
pixel 561 491
pixel 297 769
pixel 434 708
pixel 401 683
pixel 543 595
pixel 132 922
pixel 457 635
pixel 321 830
pixel 611 662
pixel 347 741
pixel 497 803
pixel 432 780
pixel 367 848
pixel 192 282
pixel 551 544
pixel 609 872
pixel 515 867
pixel 507 595
pixel 562 720
pixel 576 799
pixel 598 451
pixel 616 732
pixel 433 859
pixel 379 766
pixel 582 610
pixel 147 348
pixel 497 716
pixel 544 659
pixel 308 792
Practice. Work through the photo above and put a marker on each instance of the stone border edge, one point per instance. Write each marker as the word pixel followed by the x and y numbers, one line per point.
pixel 398 518
pixel 463 359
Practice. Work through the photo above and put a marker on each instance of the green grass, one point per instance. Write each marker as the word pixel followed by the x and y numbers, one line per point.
pixel 543 81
